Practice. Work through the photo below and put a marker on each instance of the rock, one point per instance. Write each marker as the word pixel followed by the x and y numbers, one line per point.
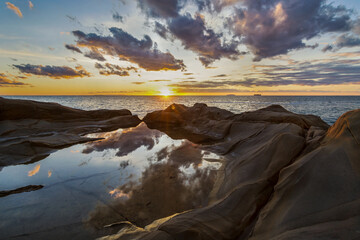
pixel 286 176
pixel 278 114
pixel 29 188
pixel 11 109
pixel 30 131
pixel 318 197
pixel 199 124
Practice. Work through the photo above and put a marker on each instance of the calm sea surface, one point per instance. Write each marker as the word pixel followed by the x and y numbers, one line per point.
pixel 329 108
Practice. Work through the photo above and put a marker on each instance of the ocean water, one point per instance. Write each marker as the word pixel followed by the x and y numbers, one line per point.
pixel 329 108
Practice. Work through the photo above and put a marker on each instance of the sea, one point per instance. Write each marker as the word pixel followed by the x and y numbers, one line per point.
pixel 329 108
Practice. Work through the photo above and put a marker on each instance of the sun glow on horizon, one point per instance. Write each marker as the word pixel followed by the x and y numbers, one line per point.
pixel 165 92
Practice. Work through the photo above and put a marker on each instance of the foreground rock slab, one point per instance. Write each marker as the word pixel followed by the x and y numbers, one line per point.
pixel 30 130
pixel 286 176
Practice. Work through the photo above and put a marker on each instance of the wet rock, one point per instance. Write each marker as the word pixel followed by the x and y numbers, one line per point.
pixel 30 130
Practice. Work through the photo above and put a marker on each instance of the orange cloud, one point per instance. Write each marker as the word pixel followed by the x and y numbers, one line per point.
pixel 34 171
pixel 31 5
pixel 14 8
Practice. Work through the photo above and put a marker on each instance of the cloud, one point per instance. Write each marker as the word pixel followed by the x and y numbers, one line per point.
pixel 161 30
pixel 160 80
pixel 275 27
pixel 31 5
pixel 73 48
pixel 138 83
pixel 5 81
pixel 321 73
pixel 126 47
pixel 95 54
pixel 14 8
pixel 344 40
pixel 117 17
pixel 160 8
pixel 56 72
pixel 194 36
pixel 220 75
pixel 71 59
pixel 112 69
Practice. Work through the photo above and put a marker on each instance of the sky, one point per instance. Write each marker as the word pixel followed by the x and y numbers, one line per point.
pixel 179 47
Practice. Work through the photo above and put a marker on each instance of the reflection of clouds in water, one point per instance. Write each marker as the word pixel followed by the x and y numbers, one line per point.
pixel 125 141
pixel 173 182
pixel 116 193
pixel 35 170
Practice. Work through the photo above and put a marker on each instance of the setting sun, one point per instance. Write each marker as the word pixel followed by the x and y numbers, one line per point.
pixel 166 92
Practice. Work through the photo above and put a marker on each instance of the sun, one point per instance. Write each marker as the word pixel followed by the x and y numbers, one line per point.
pixel 165 92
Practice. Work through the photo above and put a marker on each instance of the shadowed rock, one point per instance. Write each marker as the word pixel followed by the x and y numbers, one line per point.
pixel 286 176
pixel 30 130
pixel 29 188
pixel 199 124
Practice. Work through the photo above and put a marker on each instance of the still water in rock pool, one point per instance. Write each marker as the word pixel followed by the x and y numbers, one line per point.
pixel 136 174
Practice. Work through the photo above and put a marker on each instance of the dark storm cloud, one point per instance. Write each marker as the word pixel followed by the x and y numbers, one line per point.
pixel 275 27
pixel 126 47
pixel 194 36
pixel 95 54
pixel 112 69
pixel 73 48
pixel 117 17
pixel 53 71
pixel 5 81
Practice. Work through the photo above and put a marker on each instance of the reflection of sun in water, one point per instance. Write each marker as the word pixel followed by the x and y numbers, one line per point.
pixel 166 92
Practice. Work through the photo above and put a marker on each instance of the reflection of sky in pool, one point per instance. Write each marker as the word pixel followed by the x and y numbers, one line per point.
pixel 134 174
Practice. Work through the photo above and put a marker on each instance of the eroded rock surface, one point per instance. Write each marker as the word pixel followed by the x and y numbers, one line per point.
pixel 30 130
pixel 286 176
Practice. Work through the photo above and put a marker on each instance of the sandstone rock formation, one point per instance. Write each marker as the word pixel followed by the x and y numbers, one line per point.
pixel 286 176
pixel 30 131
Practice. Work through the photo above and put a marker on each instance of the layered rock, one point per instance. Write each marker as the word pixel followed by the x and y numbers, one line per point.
pixel 318 197
pixel 30 131
pixel 286 176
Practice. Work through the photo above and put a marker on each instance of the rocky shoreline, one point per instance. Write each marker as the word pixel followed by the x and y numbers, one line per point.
pixel 285 175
